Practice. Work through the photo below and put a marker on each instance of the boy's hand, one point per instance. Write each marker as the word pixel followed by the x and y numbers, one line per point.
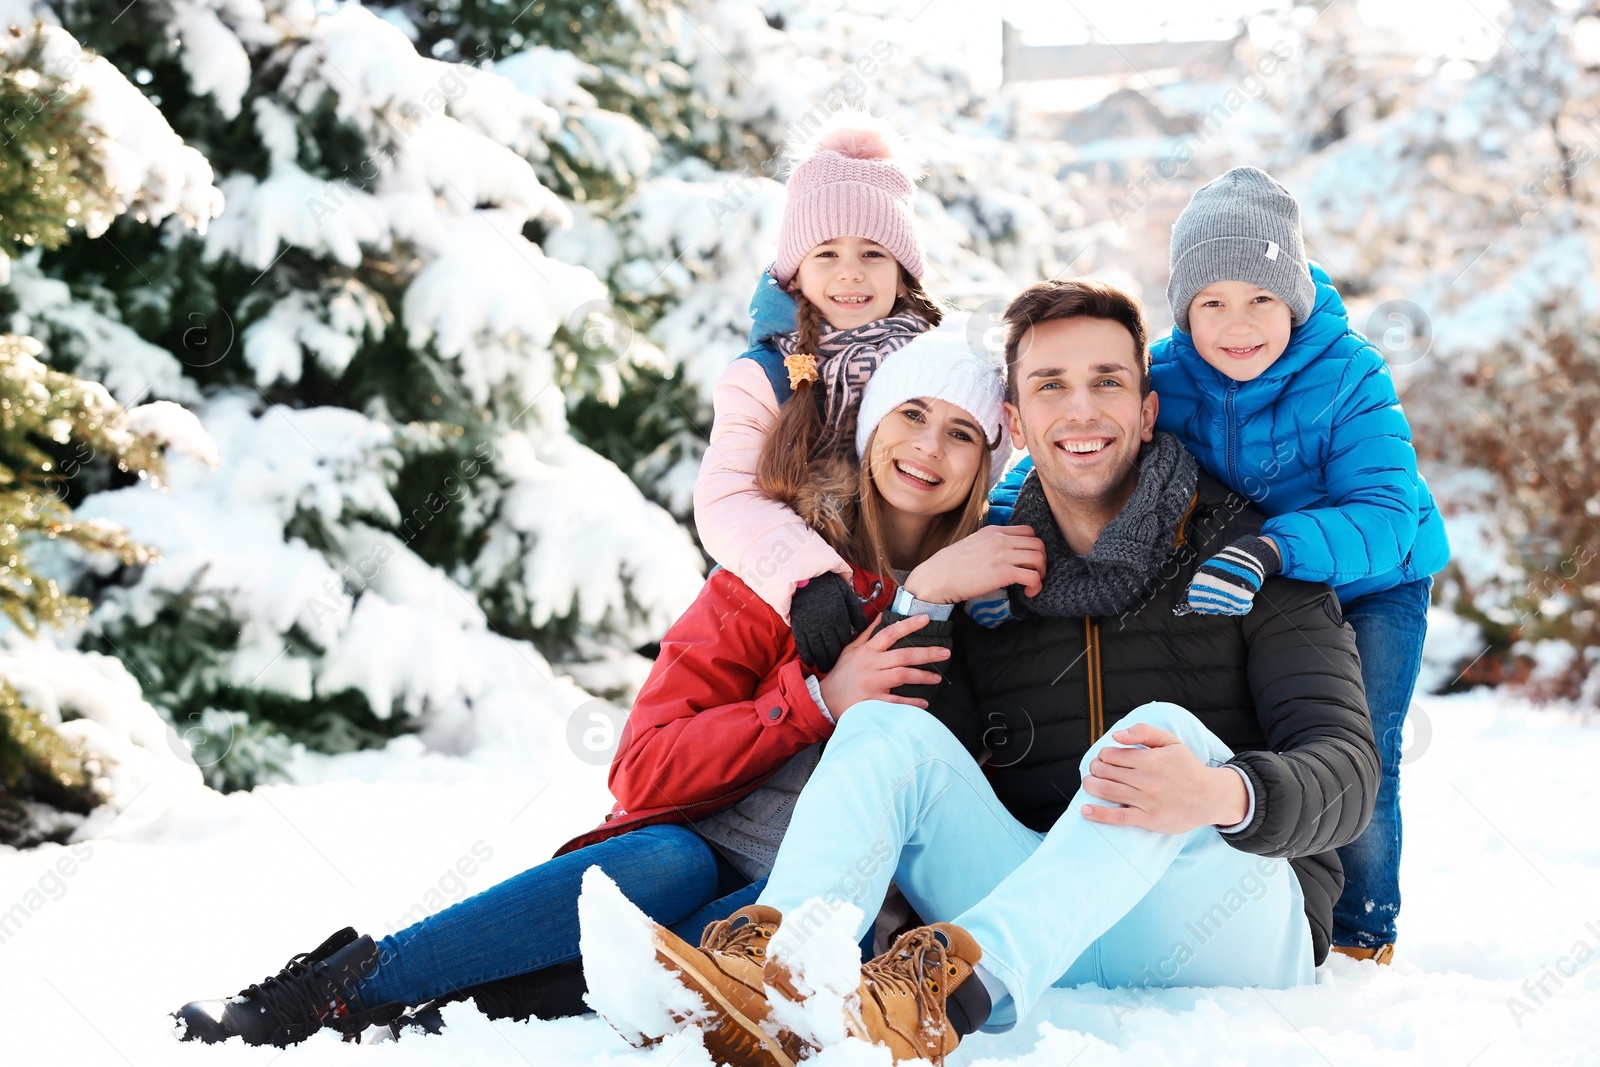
pixel 825 617
pixel 1227 583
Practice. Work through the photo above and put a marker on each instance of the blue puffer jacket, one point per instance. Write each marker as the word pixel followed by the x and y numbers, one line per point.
pixel 772 313
pixel 1319 443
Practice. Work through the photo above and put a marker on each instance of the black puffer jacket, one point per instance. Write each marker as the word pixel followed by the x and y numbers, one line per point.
pixel 1281 686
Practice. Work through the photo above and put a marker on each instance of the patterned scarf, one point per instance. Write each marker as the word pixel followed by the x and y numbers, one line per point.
pixel 1127 557
pixel 847 359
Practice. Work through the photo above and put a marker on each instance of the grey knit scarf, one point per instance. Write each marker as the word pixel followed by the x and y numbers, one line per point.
pixel 1126 559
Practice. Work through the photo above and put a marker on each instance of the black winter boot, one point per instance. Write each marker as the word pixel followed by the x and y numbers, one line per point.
pixel 553 992
pixel 315 989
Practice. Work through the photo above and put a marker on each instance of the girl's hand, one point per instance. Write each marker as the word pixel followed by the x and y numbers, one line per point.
pixel 824 616
pixel 870 667
pixel 993 558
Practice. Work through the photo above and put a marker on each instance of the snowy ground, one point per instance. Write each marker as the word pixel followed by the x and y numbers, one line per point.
pixel 1497 964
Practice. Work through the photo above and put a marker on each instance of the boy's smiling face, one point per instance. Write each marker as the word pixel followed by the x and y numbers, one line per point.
pixel 1239 328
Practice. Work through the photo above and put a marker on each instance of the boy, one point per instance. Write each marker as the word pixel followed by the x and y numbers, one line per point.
pixel 1266 382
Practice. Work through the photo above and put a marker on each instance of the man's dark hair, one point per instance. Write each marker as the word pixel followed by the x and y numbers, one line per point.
pixel 1074 298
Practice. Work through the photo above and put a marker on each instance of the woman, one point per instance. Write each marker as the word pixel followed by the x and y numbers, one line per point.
pixel 722 736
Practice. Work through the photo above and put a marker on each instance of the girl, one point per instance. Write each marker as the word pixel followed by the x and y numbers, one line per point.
pixel 843 293
pixel 722 737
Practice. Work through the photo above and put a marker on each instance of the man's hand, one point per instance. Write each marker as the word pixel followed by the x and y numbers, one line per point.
pixel 1164 787
pixel 992 558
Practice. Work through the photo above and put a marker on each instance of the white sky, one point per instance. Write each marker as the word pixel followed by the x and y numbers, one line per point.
pixel 970 32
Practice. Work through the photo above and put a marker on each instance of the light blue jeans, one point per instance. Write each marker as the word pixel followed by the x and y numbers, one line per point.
pixel 896 798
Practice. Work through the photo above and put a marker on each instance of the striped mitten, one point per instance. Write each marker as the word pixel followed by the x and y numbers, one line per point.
pixel 990 609
pixel 1227 583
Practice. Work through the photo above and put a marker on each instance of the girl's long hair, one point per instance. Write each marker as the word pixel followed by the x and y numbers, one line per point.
pixel 798 465
pixel 822 480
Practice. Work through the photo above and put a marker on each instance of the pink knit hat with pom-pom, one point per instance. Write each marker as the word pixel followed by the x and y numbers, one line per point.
pixel 850 183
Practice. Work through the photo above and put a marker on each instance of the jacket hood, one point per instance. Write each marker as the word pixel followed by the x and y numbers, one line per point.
pixel 771 310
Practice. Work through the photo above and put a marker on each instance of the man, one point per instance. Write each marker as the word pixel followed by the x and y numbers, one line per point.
pixel 1163 793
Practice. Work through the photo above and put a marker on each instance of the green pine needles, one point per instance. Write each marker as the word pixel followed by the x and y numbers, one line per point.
pixel 50 174
pixel 51 424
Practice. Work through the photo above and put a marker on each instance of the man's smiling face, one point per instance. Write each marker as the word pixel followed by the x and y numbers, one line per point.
pixel 1078 409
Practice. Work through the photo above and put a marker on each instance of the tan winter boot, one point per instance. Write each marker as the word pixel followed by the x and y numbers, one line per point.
pixel 726 972
pixel 903 992
pixel 1382 955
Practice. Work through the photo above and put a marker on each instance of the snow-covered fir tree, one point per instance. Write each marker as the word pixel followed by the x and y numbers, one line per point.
pixel 401 530
pixel 80 147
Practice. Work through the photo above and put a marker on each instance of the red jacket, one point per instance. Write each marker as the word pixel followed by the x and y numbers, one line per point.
pixel 724 708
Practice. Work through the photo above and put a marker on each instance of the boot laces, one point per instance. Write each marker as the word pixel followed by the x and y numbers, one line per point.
pixel 748 937
pixel 919 965
pixel 292 995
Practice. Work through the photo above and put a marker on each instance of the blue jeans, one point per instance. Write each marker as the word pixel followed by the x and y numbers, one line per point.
pixel 896 797
pixel 1389 626
pixel 530 921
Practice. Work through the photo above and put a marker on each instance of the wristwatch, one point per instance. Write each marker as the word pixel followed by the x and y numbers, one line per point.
pixel 905 603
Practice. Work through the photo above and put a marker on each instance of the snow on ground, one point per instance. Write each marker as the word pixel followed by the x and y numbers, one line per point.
pixel 1497 962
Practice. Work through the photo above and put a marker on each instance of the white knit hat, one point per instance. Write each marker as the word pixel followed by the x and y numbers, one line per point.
pixel 939 365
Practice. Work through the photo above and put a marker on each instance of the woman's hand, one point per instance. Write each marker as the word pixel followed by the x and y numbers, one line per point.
pixel 870 667
pixel 993 558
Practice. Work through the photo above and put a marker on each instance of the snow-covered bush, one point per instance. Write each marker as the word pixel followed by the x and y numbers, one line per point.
pixel 1528 413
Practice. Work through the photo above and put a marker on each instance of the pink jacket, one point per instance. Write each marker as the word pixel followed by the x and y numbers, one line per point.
pixel 762 541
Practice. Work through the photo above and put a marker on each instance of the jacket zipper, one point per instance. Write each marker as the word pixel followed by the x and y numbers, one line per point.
pixel 1097 707
pixel 1227 404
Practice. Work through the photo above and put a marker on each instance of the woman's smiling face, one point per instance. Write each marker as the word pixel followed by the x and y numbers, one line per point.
pixel 852 280
pixel 925 455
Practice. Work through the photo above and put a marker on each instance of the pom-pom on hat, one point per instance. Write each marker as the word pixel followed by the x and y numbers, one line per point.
pixel 853 180
pixel 940 365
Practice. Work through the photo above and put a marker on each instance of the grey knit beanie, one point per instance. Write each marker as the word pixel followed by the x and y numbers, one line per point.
pixel 1242 227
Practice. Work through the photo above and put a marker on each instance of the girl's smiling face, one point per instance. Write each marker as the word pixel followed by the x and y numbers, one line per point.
pixel 1239 328
pixel 852 280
